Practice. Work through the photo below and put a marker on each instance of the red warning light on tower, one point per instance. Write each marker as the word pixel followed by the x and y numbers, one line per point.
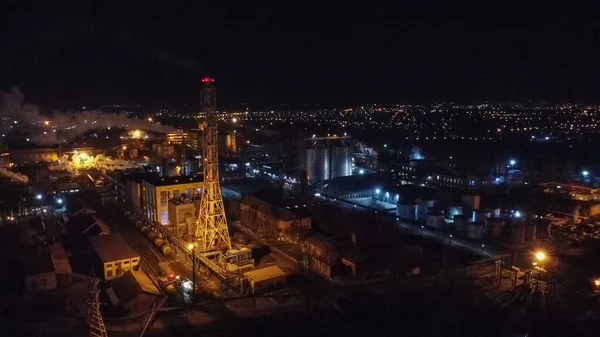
pixel 207 79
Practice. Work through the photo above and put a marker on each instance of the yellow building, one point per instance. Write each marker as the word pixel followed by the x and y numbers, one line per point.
pixel 156 193
pixel 177 138
pixel 115 254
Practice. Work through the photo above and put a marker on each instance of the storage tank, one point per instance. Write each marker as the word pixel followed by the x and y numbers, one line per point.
pixel 475 230
pixel 341 160
pixel 460 223
pixel 158 241
pixel 454 210
pixel 424 207
pixel 407 211
pixel 543 230
pixel 494 227
pixel 472 201
pixel 517 234
pixel 151 235
pixel 326 158
pixel 435 220
pixel 530 232
pixel 495 213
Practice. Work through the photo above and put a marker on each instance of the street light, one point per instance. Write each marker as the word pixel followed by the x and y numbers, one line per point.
pixel 585 173
pixel 192 247
pixel 59 200
pixel 38 197
pixel 597 282
pixel 540 256
pixel 512 162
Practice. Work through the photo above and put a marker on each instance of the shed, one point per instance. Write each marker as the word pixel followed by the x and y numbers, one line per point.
pixel 133 292
pixel 267 277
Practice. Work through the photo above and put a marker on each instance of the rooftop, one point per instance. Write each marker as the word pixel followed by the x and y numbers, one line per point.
pixel 264 274
pixel 166 181
pixel 38 263
pixel 112 247
pixel 131 284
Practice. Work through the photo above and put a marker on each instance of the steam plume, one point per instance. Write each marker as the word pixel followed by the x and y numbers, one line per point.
pixel 62 127
pixel 18 177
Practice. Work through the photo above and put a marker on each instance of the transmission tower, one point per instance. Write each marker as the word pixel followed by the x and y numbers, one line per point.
pixel 211 227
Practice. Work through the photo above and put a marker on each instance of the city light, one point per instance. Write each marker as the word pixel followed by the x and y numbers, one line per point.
pixel 585 173
pixel 377 191
pixel 191 246
pixel 38 197
pixel 540 256
pixel 361 171
pixel 597 282
pixel 234 120
pixel 150 119
pixel 513 162
pixel 517 214
pixel 59 200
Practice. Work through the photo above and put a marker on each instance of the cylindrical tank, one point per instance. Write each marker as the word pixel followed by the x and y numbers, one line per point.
pixel 475 230
pixel 517 234
pixel 494 227
pixel 151 235
pixel 165 248
pixel 454 210
pixel 543 230
pixel 495 212
pixel 424 207
pixel 460 223
pixel 158 241
pixel 435 220
pixel 341 160
pixel 472 201
pixel 407 211
pixel 479 216
pixel 530 232
pixel 144 229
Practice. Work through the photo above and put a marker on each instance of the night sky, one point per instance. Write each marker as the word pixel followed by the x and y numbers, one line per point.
pixel 408 52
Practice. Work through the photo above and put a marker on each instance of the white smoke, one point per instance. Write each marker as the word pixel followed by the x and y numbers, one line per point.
pixel 81 161
pixel 62 126
pixel 18 177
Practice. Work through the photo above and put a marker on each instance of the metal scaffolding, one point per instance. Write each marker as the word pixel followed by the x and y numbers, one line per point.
pixel 94 316
pixel 211 227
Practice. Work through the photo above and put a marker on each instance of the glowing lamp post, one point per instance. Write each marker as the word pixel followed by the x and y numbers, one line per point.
pixel 540 256
pixel 192 247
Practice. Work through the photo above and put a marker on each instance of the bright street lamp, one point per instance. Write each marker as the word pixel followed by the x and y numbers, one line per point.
pixel 60 201
pixel 540 256
pixel 513 162
pixel 585 173
pixel 192 247
pixel 38 197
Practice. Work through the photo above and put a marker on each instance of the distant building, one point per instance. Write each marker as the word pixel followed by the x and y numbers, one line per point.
pixel 177 138
pixel 269 216
pixel 21 157
pixel 195 139
pixel 156 193
pixel 40 274
pixel 184 211
pixel 115 255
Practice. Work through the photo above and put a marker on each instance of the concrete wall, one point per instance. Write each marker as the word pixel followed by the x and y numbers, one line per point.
pixel 40 282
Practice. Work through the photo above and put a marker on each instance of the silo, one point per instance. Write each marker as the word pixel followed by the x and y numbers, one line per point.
pixel 341 160
pixel 543 230
pixel 479 216
pixel 517 234
pixel 494 227
pixel 424 207
pixel 475 230
pixel 407 211
pixel 530 232
pixel 472 201
pixel 435 220
pixel 316 163
pixel 460 223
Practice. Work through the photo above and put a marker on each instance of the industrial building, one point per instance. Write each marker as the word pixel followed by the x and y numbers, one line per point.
pixel 195 139
pixel 155 193
pixel 265 278
pixel 183 211
pixel 21 157
pixel 40 273
pixel 273 216
pixel 133 292
pixel 115 255
pixel 326 158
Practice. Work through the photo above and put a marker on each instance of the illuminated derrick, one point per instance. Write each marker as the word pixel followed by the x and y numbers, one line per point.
pixel 211 227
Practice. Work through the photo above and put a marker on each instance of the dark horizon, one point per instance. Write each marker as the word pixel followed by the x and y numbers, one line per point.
pixel 414 52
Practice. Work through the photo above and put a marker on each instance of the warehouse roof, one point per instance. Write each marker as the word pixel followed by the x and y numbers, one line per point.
pixel 38 263
pixel 112 247
pixel 133 283
pixel 264 274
